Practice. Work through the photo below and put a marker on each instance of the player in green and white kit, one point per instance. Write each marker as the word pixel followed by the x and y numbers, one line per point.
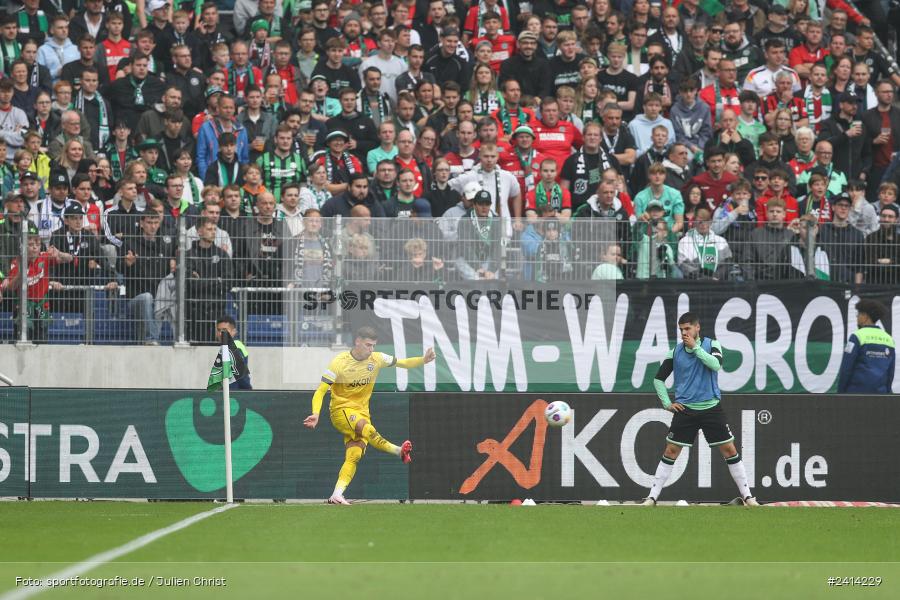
pixel 696 362
pixel 282 166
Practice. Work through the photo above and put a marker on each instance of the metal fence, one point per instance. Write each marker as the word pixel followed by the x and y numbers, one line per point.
pixel 279 279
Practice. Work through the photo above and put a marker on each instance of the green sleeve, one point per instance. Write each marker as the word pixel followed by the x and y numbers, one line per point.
pixel 713 360
pixel 662 393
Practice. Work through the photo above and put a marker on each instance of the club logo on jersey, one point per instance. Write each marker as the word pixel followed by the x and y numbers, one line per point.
pixel 370 367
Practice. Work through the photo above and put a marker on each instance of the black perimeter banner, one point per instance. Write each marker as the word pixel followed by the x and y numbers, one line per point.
pixel 795 447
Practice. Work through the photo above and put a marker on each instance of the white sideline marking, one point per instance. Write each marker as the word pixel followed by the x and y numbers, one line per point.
pixel 97 560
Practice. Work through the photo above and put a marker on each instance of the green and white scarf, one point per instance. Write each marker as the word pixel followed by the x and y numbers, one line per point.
pixel 103 125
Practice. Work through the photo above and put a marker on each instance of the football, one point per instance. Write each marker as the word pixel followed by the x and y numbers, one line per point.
pixel 557 414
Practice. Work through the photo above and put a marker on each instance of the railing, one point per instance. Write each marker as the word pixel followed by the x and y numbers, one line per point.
pixel 156 288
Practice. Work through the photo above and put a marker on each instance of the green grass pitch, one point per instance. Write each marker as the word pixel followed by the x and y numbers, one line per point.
pixel 393 551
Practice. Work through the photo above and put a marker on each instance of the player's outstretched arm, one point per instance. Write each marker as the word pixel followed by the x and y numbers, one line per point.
pixel 416 361
pixel 312 420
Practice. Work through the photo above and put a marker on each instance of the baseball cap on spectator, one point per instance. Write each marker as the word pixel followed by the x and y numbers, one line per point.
pixel 32 229
pixel 213 90
pixel 421 208
pixel 27 175
pixel 528 35
pixel 338 133
pixel 304 6
pixel 156 5
pixel 148 144
pixel 59 179
pixel 523 129
pixel 655 204
pixel 484 43
pixel 471 190
pixel 317 78
pixel 13 197
pixel 778 10
pixel 258 24
pixel 73 210
pixel 849 96
pixel 483 197
pixel 843 197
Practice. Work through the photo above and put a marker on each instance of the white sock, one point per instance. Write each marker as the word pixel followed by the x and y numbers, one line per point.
pixel 663 470
pixel 739 474
pixel 338 490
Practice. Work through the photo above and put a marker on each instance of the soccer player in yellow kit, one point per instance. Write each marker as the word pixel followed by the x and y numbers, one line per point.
pixel 351 377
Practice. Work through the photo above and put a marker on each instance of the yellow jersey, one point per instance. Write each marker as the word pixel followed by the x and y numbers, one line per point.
pixel 352 381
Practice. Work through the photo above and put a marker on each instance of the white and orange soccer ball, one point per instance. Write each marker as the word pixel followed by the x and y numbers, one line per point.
pixel 557 414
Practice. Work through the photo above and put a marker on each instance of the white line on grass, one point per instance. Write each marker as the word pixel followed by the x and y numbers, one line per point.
pixel 97 560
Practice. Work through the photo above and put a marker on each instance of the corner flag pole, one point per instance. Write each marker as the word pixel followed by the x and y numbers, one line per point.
pixel 226 400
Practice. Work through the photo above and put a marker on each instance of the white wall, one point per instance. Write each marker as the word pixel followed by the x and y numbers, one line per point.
pixel 156 367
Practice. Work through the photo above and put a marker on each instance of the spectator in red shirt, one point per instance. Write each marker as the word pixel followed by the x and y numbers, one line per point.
pixel 522 160
pixel 715 180
pixel 548 193
pixel 37 311
pixel 722 94
pixel 240 74
pixel 510 114
pixel 803 57
pixel 554 138
pixel 503 45
pixel 474 26
pixel 291 77
pixel 783 97
pixel 778 182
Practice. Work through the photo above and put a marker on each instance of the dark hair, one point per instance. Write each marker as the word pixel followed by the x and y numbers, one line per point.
pixel 748 96
pixel 767 137
pixel 365 332
pixel 689 318
pixel 226 319
pixel 780 173
pixel 356 176
pixel 714 151
pixel 687 84
pixel 873 308
pixel 856 185
pixel 773 43
pixel 79 178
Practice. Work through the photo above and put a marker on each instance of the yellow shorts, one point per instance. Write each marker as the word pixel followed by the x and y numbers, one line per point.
pixel 345 420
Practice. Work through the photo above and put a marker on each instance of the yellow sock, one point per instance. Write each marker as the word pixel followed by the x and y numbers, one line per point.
pixel 376 441
pixel 352 457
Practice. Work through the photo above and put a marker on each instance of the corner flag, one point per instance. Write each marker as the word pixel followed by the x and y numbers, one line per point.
pixel 233 368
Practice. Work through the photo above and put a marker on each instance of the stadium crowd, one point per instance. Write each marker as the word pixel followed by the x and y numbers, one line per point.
pixel 604 140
